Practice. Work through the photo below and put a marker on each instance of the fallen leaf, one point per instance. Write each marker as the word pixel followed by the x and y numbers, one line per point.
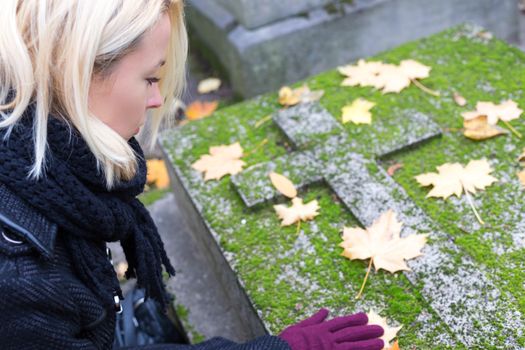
pixel 363 74
pixel 479 129
pixel 358 112
pixel 505 111
pixel 394 346
pixel 290 97
pixel 382 244
pixel 121 269
pixel 208 85
pixel 521 176
pixel 385 77
pixel 311 96
pixel 157 173
pixel 283 185
pixel 521 157
pixel 390 332
pixel 460 100
pixel 453 178
pixel 393 168
pixel 201 109
pixel 297 212
pixel 222 160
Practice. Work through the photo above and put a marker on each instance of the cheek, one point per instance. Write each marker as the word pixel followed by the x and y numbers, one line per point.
pixel 130 102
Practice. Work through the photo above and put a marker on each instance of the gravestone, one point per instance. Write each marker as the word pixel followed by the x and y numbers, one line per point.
pixel 465 292
pixel 265 44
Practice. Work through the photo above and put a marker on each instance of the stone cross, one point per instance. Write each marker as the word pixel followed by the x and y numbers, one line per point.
pixel 458 290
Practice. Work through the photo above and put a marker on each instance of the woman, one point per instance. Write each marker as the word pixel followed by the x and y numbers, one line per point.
pixel 76 80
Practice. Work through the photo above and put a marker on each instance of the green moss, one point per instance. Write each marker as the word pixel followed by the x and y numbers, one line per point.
pixel 183 313
pixel 288 276
pixel 151 196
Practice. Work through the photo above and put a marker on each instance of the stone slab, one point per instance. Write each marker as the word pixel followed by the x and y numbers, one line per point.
pixel 465 292
pixel 252 14
pixel 282 52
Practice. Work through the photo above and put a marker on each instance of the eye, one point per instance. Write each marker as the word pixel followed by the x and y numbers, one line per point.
pixel 152 81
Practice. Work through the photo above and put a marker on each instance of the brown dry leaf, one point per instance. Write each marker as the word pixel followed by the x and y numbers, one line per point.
pixel 393 168
pixel 460 100
pixel 290 97
pixel 283 185
pixel 157 173
pixel 201 109
pixel 297 212
pixel 358 112
pixel 222 160
pixel 453 178
pixel 390 332
pixel 505 111
pixel 479 129
pixel 208 85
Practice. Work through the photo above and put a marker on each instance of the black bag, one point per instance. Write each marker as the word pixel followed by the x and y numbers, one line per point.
pixel 143 323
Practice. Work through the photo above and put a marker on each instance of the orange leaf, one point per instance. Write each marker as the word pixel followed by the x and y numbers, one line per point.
pixel 201 109
pixel 157 173
pixel 395 346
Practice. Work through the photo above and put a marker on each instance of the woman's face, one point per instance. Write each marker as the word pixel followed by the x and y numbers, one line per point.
pixel 122 99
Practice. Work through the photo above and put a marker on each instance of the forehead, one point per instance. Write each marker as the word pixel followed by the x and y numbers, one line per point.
pixel 152 47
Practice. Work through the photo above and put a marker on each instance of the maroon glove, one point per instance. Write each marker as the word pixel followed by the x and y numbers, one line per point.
pixel 340 333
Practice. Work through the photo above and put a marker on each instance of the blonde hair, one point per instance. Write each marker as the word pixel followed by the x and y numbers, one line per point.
pixel 49 52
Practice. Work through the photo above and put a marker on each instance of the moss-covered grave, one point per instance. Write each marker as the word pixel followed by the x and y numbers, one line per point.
pixel 468 289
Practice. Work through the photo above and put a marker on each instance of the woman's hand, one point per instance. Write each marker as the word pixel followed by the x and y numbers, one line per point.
pixel 340 333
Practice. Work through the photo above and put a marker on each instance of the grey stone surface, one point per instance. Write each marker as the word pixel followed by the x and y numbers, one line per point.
pixel 252 14
pixel 474 296
pixel 293 48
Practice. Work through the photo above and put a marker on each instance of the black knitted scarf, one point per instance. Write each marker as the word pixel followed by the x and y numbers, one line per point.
pixel 74 196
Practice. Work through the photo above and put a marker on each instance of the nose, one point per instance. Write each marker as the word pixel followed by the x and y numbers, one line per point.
pixel 155 100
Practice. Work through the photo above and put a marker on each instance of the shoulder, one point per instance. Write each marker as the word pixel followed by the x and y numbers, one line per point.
pixel 23 229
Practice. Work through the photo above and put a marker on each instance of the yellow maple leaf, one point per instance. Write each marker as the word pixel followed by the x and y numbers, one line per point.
pixel 382 244
pixel 157 173
pixel 358 112
pixel 222 160
pixel 479 129
pixel 363 73
pixel 297 212
pixel 390 332
pixel 386 77
pixel 208 85
pixel 453 178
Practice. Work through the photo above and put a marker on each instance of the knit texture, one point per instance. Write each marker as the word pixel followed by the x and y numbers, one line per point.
pixel 73 195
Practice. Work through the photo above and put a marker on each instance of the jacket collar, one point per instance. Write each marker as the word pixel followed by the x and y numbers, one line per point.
pixel 20 218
